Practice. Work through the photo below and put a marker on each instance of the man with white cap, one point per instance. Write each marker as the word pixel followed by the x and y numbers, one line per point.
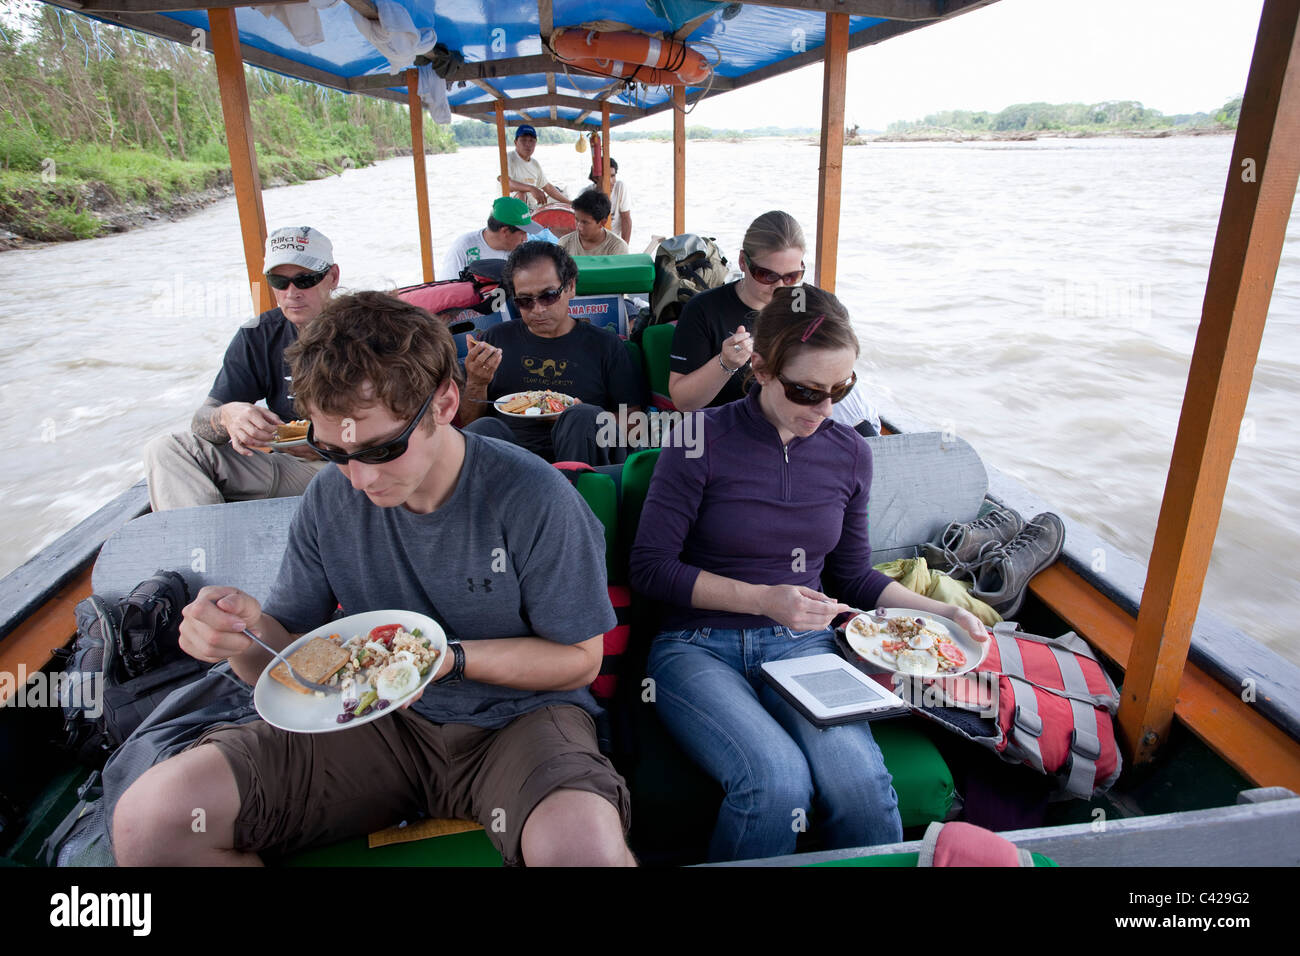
pixel 527 179
pixel 225 456
pixel 508 225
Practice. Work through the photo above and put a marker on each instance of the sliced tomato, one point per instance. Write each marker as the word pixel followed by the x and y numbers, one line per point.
pixel 893 647
pixel 385 634
pixel 951 652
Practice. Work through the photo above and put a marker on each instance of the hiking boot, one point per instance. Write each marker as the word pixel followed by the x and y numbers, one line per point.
pixel 963 547
pixel 1002 577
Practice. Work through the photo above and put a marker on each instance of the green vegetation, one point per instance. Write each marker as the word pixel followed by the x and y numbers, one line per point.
pixel 476 133
pixel 92 115
pixel 1111 116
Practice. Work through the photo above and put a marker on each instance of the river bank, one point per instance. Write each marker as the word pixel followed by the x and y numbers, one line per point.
pixel 39 209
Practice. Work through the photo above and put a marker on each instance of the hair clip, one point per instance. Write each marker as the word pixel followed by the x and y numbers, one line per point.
pixel 813 326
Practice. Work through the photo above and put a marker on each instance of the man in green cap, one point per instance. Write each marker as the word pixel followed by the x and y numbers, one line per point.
pixel 508 225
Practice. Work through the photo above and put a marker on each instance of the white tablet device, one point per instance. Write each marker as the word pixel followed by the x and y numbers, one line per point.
pixel 829 690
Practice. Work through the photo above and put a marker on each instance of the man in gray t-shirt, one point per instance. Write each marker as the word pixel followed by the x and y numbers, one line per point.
pixel 417 516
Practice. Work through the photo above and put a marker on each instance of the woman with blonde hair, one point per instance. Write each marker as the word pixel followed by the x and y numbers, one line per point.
pixel 713 340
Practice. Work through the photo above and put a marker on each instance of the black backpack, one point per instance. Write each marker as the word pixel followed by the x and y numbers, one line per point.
pixel 685 266
pixel 126 659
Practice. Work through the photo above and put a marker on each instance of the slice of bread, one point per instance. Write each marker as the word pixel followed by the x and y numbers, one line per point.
pixel 317 660
pixel 291 431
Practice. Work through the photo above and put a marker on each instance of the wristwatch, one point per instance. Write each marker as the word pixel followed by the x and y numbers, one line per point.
pixel 457 672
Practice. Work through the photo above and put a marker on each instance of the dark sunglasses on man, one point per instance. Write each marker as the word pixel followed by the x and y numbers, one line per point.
pixel 304 280
pixel 803 395
pixel 544 300
pixel 768 277
pixel 375 454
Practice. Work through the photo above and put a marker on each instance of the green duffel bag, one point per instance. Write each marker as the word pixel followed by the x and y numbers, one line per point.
pixel 604 275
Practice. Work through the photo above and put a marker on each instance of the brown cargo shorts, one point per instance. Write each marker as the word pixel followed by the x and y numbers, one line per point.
pixel 302 790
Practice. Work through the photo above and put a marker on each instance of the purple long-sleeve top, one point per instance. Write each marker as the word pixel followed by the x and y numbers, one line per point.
pixel 748 508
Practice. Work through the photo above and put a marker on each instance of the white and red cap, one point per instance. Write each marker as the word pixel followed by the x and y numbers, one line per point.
pixel 298 246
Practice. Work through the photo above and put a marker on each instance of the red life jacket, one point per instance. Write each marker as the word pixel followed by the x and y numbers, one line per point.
pixel 1054 707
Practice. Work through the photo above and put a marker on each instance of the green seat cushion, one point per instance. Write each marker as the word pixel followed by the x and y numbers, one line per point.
pixel 657 343
pixel 471 848
pixel 921 779
pixel 601 495
pixel 599 275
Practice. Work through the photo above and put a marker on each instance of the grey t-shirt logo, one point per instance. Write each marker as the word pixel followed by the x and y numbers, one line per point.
pixel 487 584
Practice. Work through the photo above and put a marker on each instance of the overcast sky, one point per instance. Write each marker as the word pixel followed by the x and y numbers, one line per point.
pixel 1177 56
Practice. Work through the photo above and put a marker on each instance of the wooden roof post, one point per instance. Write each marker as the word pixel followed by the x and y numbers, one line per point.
pixel 679 160
pixel 421 179
pixel 243 152
pixel 604 150
pixel 1252 226
pixel 501 147
pixel 834 75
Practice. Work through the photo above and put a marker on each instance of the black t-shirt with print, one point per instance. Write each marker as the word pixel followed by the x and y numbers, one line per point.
pixel 708 320
pixel 588 363
pixel 254 367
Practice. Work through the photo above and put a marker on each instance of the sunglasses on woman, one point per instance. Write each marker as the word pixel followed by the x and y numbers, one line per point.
pixel 304 280
pixel 544 300
pixel 803 395
pixel 375 454
pixel 768 277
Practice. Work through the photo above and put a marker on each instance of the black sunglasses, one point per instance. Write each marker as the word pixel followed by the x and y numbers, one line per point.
pixel 304 280
pixel 375 454
pixel 545 299
pixel 803 395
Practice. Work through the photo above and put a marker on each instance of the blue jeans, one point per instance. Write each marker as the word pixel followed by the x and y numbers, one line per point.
pixel 778 769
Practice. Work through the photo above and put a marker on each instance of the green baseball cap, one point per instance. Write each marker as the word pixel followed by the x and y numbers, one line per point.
pixel 514 212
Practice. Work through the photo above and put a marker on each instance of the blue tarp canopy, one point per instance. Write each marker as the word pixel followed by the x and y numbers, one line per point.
pixel 503 56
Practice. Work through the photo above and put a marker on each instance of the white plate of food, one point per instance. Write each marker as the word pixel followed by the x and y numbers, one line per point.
pixel 903 641
pixel 539 405
pixel 290 435
pixel 370 655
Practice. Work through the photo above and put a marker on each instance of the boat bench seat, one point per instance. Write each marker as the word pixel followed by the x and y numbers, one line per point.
pixel 920 483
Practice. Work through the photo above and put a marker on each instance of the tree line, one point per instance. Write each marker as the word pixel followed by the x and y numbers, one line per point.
pixel 1068 117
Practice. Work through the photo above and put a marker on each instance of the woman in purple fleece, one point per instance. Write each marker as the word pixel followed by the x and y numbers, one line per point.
pixel 737 534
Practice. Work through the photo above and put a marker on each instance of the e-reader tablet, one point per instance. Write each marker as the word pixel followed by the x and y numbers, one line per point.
pixel 828 690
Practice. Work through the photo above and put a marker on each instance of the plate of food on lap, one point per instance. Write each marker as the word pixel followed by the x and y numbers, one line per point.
pixel 916 643
pixel 378 660
pixel 541 405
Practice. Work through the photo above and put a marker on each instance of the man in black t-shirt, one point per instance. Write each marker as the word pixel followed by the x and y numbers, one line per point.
pixel 225 455
pixel 549 349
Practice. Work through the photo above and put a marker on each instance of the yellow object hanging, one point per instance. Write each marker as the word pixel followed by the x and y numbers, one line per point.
pixel 581 144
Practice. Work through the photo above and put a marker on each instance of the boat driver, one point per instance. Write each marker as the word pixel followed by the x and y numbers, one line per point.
pixel 225 456
pixel 527 180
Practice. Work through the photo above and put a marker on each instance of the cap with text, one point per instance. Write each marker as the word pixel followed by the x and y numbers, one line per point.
pixel 298 246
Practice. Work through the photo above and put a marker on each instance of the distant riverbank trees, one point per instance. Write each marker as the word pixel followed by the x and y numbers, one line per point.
pixel 1112 115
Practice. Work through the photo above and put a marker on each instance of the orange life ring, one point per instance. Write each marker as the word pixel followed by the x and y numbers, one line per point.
pixel 648 59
